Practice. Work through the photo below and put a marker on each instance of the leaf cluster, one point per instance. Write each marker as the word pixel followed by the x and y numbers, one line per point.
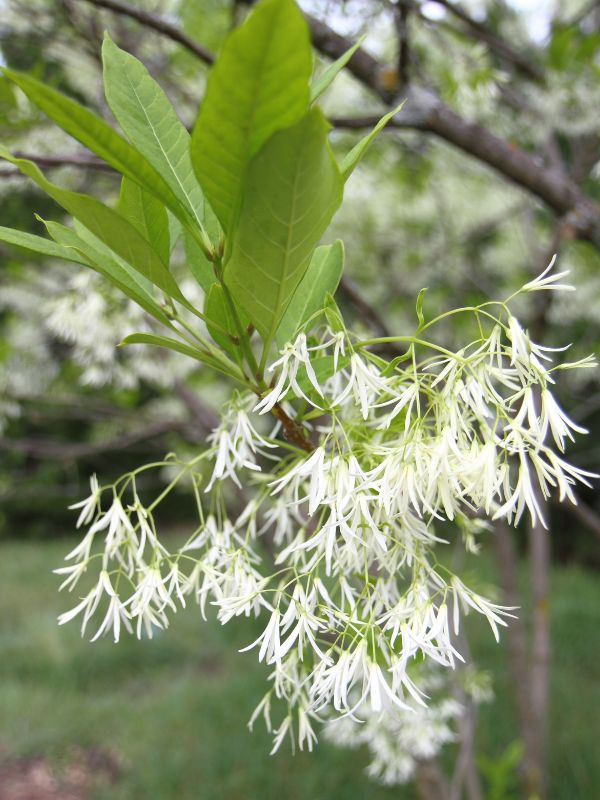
pixel 250 193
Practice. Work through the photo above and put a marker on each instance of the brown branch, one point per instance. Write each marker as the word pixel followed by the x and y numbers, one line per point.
pixel 362 65
pixel 293 431
pixel 425 111
pixel 352 293
pixel 82 160
pixel 156 23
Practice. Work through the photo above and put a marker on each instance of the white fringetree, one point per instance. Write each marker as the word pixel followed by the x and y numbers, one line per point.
pixel 328 496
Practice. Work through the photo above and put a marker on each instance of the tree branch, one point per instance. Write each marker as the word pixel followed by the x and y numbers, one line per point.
pixel 402 9
pixel 49 449
pixel 426 112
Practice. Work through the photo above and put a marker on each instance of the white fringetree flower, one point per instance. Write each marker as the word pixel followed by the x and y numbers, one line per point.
pixel 372 468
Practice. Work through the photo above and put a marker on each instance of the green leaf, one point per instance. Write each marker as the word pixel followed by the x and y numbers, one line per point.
pixel 148 215
pixel 128 281
pixel 7 95
pixel 328 75
pixel 197 263
pixel 149 120
pixel 97 135
pixel 293 189
pixel 164 341
pixel 101 251
pixel 37 244
pixel 216 309
pixel 419 307
pixel 260 84
pixel 184 349
pixel 109 226
pixel 358 151
pixel 322 277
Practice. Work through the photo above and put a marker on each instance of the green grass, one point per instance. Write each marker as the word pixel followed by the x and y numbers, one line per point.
pixel 175 709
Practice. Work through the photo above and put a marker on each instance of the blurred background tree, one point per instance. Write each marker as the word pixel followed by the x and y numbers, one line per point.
pixel 492 166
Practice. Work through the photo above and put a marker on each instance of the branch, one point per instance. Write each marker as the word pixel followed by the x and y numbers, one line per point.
pixel 82 160
pixel 49 449
pixel 426 112
pixel 157 24
pixel 353 294
pixel 402 9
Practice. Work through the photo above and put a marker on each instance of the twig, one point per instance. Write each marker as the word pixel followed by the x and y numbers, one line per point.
pixel 48 449
pixel 201 414
pixel 401 12
pixel 352 293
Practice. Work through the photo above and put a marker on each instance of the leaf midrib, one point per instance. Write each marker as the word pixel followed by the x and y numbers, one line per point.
pixel 164 152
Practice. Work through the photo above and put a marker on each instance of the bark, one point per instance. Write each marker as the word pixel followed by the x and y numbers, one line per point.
pixel 529 669
pixel 430 782
pixel 539 671
pixel 425 111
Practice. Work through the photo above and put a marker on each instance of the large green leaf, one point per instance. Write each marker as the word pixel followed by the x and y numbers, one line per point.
pixel 321 278
pixel 99 250
pixel 328 75
pixel 221 365
pixel 260 84
pixel 97 135
pixel 127 280
pixel 293 189
pixel 108 225
pixel 147 117
pixel 358 151
pixel 148 215
pixel 37 244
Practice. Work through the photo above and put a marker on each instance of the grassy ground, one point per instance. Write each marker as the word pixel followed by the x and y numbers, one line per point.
pixel 175 709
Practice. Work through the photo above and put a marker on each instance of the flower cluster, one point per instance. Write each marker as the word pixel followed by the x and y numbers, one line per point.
pixel 360 593
pixel 398 739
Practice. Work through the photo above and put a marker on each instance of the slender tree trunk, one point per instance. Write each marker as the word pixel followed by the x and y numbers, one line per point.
pixel 539 672
pixel 529 668
pixel 430 781
pixel 466 777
